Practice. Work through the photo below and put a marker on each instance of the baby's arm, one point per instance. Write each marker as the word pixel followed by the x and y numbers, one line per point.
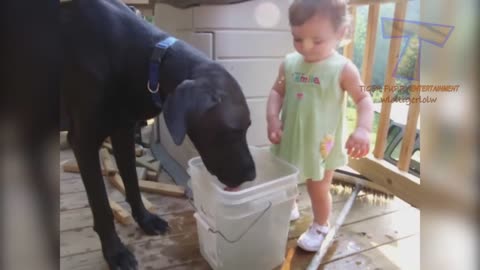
pixel 274 105
pixel 358 144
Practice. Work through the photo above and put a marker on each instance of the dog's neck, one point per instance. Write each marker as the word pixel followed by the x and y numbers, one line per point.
pixel 179 64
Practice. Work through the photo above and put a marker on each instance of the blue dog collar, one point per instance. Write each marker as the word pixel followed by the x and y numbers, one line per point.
pixel 157 55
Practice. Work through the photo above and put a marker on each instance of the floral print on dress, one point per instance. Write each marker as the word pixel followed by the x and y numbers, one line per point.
pixel 326 146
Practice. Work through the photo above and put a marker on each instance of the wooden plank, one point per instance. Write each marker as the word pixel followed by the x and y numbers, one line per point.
pixel 108 146
pixel 358 237
pixel 410 134
pixel 151 175
pixel 72 185
pixel 151 166
pixel 393 55
pixel 141 172
pixel 79 218
pixel 73 201
pixel 120 214
pixel 75 184
pixel 195 264
pixel 86 252
pixel 361 211
pixel 117 182
pixel 402 184
pixel 162 253
pixel 72 167
pixel 107 162
pixel 147 158
pixel 400 254
pixel 78 200
pixel 370 40
pixel 160 188
pixel 86 240
pixel 63 143
pixel 288 259
pixel 139 151
pixel 349 48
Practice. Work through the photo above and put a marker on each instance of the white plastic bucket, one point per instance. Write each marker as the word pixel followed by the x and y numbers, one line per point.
pixel 245 229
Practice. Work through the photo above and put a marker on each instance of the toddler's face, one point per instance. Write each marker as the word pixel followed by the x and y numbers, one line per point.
pixel 316 38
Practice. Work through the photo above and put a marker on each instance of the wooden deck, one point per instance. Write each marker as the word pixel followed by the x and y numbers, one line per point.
pixel 373 237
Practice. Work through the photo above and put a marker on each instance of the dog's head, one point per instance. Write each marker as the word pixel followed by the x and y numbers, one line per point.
pixel 213 111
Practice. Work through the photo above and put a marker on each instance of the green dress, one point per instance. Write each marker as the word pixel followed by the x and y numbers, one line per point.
pixel 313 116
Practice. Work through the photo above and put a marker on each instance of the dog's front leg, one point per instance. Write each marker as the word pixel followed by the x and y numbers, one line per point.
pixel 123 142
pixel 114 251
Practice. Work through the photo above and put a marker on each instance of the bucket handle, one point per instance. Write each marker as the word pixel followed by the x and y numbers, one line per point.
pixel 248 228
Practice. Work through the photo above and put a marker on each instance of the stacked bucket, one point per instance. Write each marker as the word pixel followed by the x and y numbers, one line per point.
pixel 248 228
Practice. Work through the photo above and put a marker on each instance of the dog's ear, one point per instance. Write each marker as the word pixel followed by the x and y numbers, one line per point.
pixel 188 99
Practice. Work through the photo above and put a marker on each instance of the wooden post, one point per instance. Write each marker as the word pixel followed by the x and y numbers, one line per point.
pixel 408 140
pixel 117 182
pixel 394 53
pixel 108 165
pixel 161 188
pixel 120 214
pixel 369 53
pixel 404 185
pixel 348 49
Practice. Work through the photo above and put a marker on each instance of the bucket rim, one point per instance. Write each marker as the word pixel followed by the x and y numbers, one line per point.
pixel 196 161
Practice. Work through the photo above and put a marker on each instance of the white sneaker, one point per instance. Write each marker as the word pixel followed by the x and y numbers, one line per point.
pixel 312 239
pixel 295 214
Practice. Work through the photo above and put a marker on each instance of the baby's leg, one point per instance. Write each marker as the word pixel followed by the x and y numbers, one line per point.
pixel 321 198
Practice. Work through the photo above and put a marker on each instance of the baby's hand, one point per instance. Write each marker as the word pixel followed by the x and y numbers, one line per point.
pixel 358 144
pixel 275 130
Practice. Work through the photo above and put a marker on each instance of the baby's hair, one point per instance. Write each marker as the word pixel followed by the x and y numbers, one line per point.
pixel 302 10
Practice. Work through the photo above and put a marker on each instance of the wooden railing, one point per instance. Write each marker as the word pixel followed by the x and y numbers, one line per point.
pixel 395 179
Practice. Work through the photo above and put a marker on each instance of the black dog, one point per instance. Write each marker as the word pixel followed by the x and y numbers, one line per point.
pixel 108 51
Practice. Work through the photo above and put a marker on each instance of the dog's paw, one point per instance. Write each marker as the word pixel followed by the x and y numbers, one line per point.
pixel 118 257
pixel 151 224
